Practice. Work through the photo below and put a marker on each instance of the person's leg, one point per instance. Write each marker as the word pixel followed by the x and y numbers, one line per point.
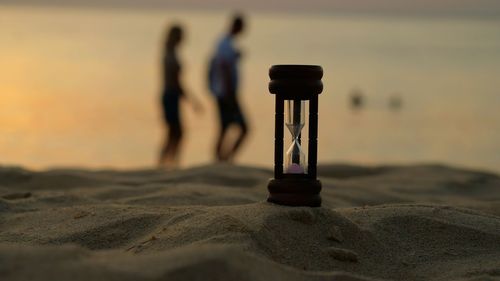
pixel 243 131
pixel 171 103
pixel 170 150
pixel 219 147
pixel 163 151
pixel 176 142
pixel 220 154
pixel 239 120
pixel 166 140
pixel 167 152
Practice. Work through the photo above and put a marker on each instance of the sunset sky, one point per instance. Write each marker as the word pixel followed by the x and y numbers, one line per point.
pixel 490 8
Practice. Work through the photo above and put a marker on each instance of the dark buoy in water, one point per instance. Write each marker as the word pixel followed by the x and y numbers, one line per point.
pixel 356 99
pixel 395 102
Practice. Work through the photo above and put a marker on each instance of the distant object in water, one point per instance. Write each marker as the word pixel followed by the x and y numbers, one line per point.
pixel 356 99
pixel 395 102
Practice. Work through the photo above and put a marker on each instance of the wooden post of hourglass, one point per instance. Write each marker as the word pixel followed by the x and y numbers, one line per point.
pixel 298 86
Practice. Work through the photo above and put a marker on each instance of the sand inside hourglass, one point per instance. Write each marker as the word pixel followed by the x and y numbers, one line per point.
pixel 295 159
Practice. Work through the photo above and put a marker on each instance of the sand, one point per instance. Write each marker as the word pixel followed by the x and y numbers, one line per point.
pixel 426 222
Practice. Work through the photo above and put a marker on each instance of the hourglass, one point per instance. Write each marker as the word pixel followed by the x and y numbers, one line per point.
pixel 296 88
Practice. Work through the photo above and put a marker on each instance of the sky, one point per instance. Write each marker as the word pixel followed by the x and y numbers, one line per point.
pixel 487 8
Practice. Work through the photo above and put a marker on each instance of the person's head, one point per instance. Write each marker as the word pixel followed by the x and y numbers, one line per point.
pixel 174 36
pixel 237 24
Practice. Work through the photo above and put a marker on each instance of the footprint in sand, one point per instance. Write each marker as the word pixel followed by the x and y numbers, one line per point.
pixel 17 195
pixel 342 254
pixel 335 234
pixel 302 215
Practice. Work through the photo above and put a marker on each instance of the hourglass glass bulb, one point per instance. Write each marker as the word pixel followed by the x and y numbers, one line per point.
pixel 295 158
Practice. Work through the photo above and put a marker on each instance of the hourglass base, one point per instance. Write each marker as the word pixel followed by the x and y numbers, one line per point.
pixel 295 192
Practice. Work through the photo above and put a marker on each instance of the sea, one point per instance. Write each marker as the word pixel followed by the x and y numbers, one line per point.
pixel 80 87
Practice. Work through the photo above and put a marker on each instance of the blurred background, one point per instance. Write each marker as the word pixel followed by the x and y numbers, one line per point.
pixel 405 81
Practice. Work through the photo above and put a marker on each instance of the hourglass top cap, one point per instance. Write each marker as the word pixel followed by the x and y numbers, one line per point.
pixel 295 71
pixel 296 81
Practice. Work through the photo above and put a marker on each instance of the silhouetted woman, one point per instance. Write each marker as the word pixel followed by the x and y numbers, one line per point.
pixel 173 92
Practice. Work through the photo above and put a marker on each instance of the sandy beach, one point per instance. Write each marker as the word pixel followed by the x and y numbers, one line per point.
pixel 426 222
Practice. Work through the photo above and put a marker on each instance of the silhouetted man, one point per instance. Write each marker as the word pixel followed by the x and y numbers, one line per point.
pixel 224 78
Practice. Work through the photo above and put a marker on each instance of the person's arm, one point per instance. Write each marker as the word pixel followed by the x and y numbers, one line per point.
pixel 228 82
pixel 185 95
pixel 177 80
pixel 197 105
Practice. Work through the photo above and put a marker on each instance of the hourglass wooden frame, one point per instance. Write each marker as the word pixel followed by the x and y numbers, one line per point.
pixel 296 83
